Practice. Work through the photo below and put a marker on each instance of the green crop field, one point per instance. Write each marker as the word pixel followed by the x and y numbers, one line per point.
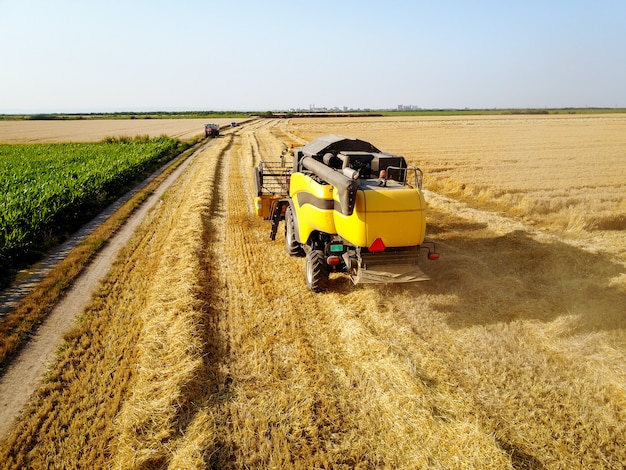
pixel 49 190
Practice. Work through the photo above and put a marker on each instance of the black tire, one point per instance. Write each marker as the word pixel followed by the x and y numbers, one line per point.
pixel 292 246
pixel 316 271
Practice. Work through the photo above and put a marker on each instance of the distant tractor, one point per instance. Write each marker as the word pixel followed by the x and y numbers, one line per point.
pixel 211 130
pixel 348 208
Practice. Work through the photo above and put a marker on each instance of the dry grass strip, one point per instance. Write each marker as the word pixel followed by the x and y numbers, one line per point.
pixel 172 371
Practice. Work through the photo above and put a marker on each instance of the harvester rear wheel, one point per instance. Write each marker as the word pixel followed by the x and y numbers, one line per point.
pixel 317 271
pixel 292 247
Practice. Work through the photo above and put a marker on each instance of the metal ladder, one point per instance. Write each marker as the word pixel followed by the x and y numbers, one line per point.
pixel 277 213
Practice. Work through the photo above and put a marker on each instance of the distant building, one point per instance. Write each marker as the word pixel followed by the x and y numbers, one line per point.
pixel 407 107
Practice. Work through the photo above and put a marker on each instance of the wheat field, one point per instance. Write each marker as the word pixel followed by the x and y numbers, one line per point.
pixel 94 130
pixel 203 348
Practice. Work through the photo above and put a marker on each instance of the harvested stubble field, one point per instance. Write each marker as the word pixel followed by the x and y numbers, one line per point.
pixel 204 349
pixel 94 130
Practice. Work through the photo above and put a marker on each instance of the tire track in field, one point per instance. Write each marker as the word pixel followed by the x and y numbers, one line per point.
pixel 237 208
pixel 264 146
pixel 156 422
pixel 244 325
pixel 281 133
pixel 250 141
pixel 251 317
pixel 270 146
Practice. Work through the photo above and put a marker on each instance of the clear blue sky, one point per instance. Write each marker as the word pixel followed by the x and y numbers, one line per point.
pixel 139 55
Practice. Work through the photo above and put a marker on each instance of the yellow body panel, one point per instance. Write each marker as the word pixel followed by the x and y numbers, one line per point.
pixel 262 205
pixel 313 203
pixel 300 182
pixel 394 214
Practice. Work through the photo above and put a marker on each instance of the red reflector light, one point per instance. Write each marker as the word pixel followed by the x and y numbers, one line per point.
pixel 433 256
pixel 333 260
pixel 377 246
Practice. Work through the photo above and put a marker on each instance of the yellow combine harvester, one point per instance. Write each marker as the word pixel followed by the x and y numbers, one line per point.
pixel 348 208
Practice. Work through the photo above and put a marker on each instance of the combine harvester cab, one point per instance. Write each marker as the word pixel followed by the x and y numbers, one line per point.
pixel 349 208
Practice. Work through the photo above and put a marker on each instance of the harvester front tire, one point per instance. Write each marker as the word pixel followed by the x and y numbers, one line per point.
pixel 317 271
pixel 292 247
